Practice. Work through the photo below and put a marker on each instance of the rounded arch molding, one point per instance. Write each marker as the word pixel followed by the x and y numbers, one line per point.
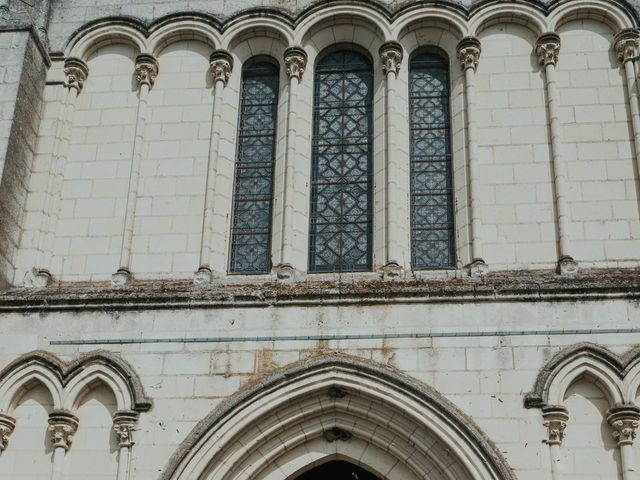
pixel 337 407
pixel 68 382
pixel 150 37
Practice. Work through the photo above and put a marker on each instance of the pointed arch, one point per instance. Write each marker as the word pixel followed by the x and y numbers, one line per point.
pixel 67 382
pixel 605 368
pixel 336 405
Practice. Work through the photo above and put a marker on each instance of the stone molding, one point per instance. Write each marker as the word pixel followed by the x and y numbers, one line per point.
pixel 469 50
pixel 624 421
pixel 146 70
pixel 545 16
pixel 76 72
pixel 350 371
pixel 619 374
pixel 62 427
pixel 391 55
pixel 124 423
pixel 220 66
pixel 555 421
pixel 548 49
pixel 64 374
pixel 498 287
pixel 7 426
pixel 295 61
pixel 627 45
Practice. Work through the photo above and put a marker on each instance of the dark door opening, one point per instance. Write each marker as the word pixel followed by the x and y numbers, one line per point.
pixel 337 470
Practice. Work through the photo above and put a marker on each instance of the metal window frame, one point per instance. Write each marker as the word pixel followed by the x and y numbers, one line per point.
pixel 250 69
pixel 439 60
pixel 316 142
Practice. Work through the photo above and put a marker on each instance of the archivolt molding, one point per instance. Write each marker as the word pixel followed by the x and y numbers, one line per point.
pixel 618 376
pixel 520 14
pixel 69 382
pixel 151 38
pixel 288 422
pixel 607 11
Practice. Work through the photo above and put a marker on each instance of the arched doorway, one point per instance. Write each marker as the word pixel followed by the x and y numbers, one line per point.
pixel 337 408
pixel 337 470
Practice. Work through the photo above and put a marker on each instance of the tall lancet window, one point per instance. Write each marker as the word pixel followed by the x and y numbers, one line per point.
pixel 253 190
pixel 340 237
pixel 432 212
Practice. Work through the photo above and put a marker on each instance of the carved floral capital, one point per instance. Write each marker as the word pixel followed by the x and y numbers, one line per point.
pixel 62 427
pixel 469 50
pixel 295 61
pixel 7 426
pixel 555 421
pixel 624 421
pixel 124 423
pixel 76 72
pixel 548 49
pixel 391 55
pixel 220 66
pixel 627 45
pixel 146 70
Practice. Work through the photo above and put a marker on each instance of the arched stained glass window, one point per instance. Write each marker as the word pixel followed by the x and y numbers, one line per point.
pixel 341 181
pixel 432 213
pixel 253 190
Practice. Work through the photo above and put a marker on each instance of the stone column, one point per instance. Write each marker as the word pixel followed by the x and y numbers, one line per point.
pixel 124 423
pixel 76 72
pixel 221 65
pixel 396 247
pixel 627 46
pixel 469 50
pixel 547 50
pixel 295 60
pixel 62 426
pixel 7 426
pixel 146 71
pixel 555 420
pixel 624 423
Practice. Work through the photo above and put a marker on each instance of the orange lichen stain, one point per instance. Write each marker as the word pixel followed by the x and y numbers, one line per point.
pixel 266 362
pixel 386 352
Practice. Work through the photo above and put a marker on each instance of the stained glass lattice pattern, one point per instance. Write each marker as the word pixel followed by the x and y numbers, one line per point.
pixel 253 190
pixel 432 222
pixel 341 183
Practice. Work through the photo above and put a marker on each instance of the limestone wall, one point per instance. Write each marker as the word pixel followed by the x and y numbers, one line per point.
pixel 487 378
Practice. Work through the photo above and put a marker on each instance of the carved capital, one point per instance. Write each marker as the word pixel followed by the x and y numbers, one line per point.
pixel 469 50
pixel 548 49
pixel 62 426
pixel 124 423
pixel 391 55
pixel 220 66
pixel 146 70
pixel 624 421
pixel 76 72
pixel 7 426
pixel 337 433
pixel 627 45
pixel 555 421
pixel 295 61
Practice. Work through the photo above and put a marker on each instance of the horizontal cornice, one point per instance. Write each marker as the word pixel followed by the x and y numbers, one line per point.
pixel 513 286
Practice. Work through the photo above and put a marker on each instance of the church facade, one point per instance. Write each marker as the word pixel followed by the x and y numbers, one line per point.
pixel 293 239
